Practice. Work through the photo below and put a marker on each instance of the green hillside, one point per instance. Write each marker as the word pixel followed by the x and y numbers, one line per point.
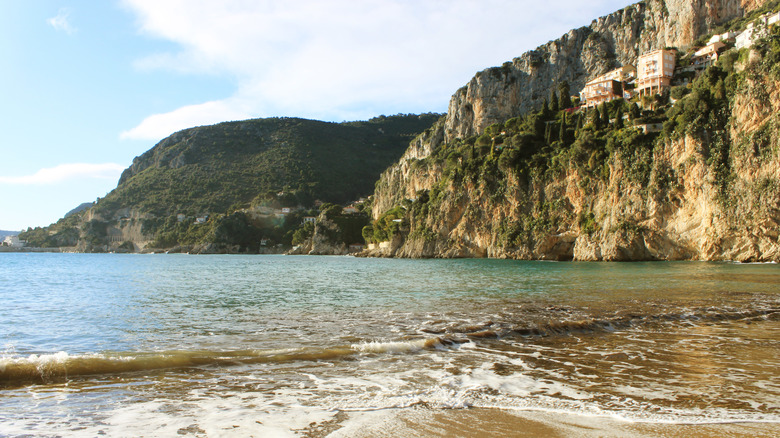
pixel 219 171
pixel 215 168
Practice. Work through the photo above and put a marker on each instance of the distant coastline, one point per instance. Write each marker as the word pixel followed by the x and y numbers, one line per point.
pixel 25 249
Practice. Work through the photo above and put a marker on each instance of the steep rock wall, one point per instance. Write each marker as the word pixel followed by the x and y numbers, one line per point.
pixel 681 214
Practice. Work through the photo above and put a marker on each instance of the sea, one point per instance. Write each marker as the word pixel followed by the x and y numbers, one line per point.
pixel 273 345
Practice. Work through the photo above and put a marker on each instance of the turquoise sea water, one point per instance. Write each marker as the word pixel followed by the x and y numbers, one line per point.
pixel 269 345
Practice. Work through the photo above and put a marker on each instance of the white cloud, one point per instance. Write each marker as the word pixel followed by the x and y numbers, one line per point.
pixel 158 126
pixel 341 59
pixel 66 172
pixel 61 22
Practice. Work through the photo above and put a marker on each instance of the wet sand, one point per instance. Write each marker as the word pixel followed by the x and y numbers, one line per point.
pixel 480 422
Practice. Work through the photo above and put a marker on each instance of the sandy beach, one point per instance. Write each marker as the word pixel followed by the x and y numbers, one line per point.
pixel 480 422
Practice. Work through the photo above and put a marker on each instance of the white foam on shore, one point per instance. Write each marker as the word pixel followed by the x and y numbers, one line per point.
pixel 392 347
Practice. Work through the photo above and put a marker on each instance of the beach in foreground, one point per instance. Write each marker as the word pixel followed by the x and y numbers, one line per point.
pixel 519 424
pixel 292 346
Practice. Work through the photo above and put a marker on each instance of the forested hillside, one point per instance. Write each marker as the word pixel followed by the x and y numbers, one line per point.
pixel 215 171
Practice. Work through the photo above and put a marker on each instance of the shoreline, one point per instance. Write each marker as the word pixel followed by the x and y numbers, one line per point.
pixel 73 250
pixel 495 422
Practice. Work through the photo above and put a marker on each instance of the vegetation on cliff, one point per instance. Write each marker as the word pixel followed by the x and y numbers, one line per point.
pixel 592 185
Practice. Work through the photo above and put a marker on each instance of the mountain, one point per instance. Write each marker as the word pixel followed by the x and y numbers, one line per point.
pixel 506 175
pixel 4 234
pixel 210 169
pixel 216 171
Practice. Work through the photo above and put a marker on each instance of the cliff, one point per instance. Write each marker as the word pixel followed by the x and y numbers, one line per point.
pixel 484 181
pixel 498 93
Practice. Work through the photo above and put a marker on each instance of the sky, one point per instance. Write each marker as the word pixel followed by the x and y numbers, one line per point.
pixel 86 86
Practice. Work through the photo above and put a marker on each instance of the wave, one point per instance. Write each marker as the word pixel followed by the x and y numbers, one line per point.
pixel 58 367
pixel 50 368
pixel 604 324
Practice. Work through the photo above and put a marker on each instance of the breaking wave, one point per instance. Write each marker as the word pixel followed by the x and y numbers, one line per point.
pixel 49 368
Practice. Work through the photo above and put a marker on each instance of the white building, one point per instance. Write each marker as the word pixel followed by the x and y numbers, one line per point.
pixel 723 38
pixel 13 242
pixel 756 30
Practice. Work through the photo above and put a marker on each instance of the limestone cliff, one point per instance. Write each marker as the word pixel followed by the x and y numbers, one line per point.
pixel 498 93
pixel 712 193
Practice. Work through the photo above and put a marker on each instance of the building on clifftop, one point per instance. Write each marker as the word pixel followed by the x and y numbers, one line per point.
pixel 655 71
pixel 707 55
pixel 609 86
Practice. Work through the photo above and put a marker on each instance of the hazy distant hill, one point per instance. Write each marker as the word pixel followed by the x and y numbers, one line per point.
pixel 4 233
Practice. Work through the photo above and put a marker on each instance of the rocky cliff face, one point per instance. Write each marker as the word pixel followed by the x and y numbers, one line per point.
pixel 679 212
pixel 498 93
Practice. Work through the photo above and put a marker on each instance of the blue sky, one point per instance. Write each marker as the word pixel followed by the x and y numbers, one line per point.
pixel 88 85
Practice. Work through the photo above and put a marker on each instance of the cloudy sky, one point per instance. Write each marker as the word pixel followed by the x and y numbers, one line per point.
pixel 88 85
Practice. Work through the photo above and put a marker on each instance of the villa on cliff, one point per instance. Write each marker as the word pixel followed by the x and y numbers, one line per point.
pixel 707 55
pixel 609 86
pixel 653 74
pixel 655 71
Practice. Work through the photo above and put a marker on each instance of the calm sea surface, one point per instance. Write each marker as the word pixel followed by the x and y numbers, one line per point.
pixel 128 345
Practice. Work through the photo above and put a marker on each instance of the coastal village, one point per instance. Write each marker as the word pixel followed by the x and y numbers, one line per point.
pixel 657 71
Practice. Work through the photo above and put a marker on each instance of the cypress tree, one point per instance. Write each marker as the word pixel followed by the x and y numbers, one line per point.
pixel 562 131
pixel 564 95
pixel 595 119
pixel 619 118
pixel 720 90
pixel 545 110
pixel 604 115
pixel 554 107
pixel 633 112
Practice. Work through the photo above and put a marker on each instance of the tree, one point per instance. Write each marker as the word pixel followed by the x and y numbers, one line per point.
pixel 545 110
pixel 720 90
pixel 564 95
pixel 619 118
pixel 595 118
pixel 554 107
pixel 604 115
pixel 563 131
pixel 633 112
